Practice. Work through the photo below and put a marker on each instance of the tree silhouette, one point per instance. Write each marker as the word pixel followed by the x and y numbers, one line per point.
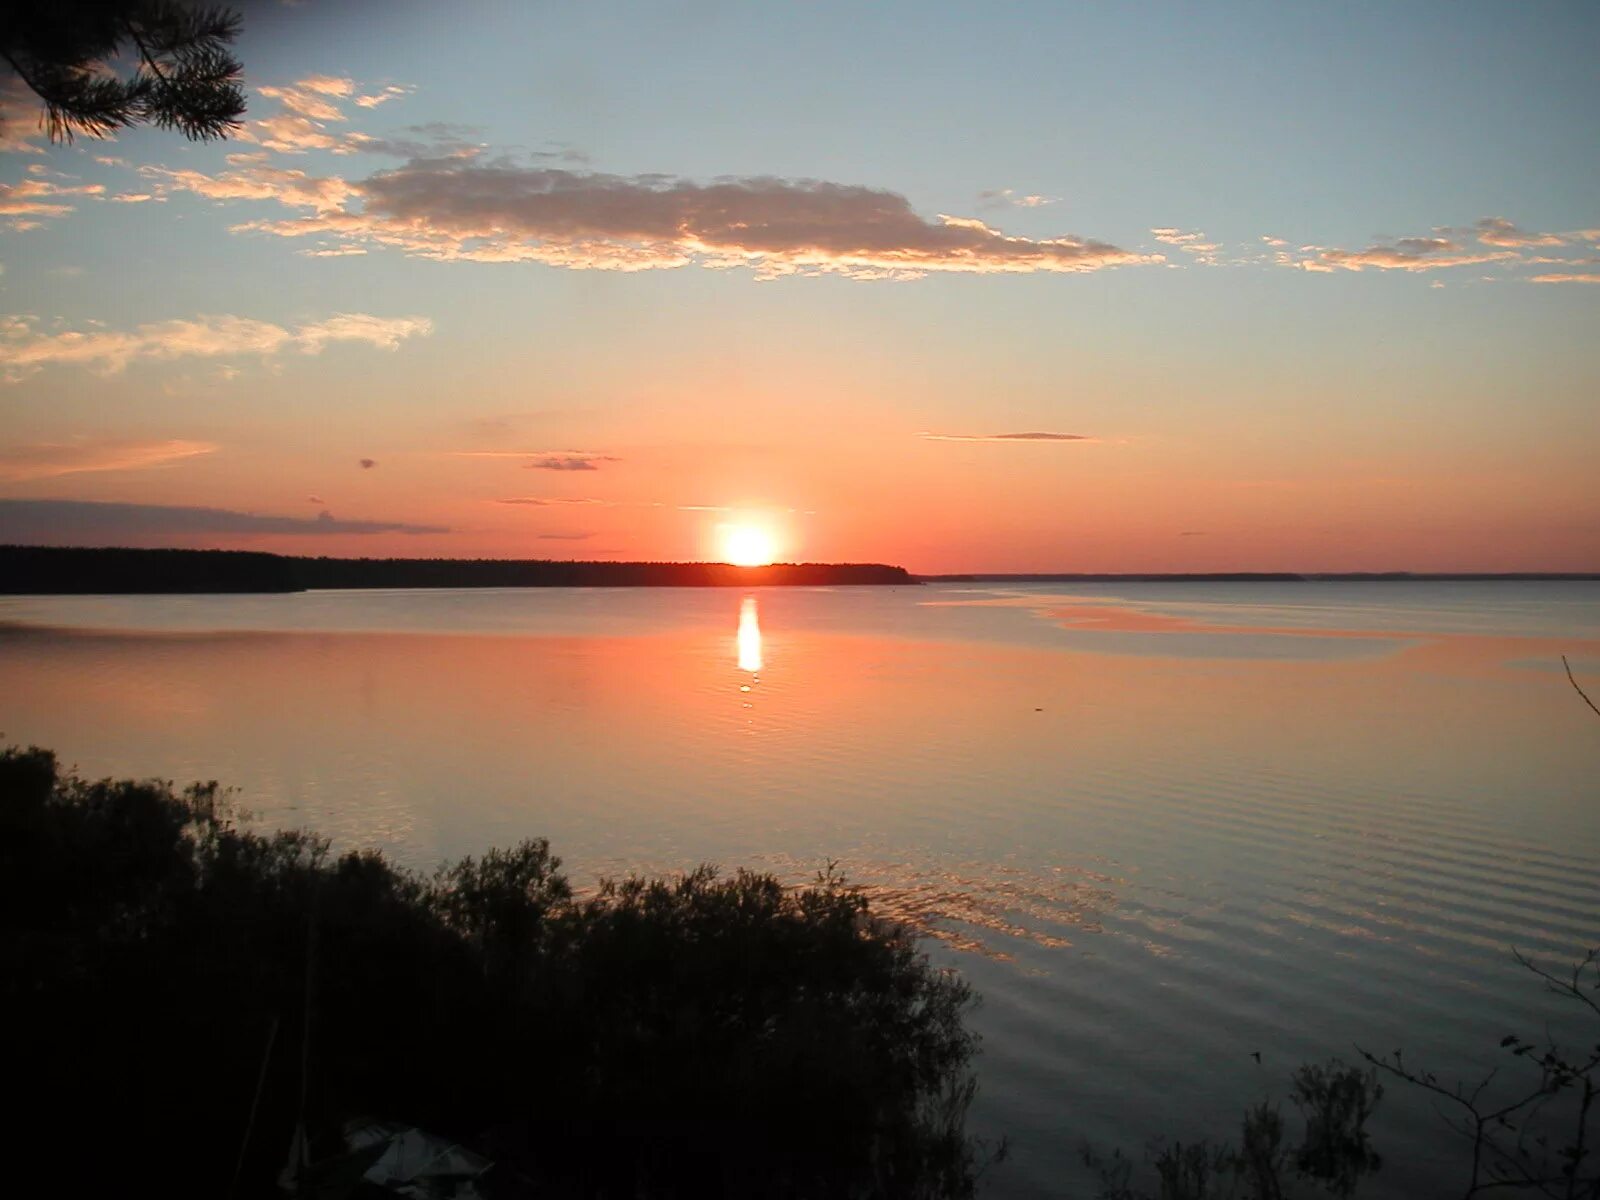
pixel 184 75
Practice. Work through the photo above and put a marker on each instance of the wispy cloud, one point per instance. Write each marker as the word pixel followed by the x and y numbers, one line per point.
pixel 1010 198
pixel 1190 242
pixel 546 460
pixel 1566 277
pixel 31 521
pixel 463 208
pixel 25 347
pixel 21 127
pixel 1006 437
pixel 313 114
pixel 1497 231
pixel 541 501
pixel 309 106
pixel 568 462
pixel 40 196
pixel 384 95
pixel 1397 254
pixel 47 460
pixel 565 537
pixel 294 189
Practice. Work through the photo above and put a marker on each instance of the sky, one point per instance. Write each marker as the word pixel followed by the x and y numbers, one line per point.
pixel 999 287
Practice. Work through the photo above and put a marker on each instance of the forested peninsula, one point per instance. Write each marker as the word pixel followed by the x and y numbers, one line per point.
pixel 58 570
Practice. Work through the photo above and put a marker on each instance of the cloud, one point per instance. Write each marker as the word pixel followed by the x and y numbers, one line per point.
pixel 294 189
pixel 383 96
pixel 1008 198
pixel 289 134
pixel 315 500
pixel 309 106
pixel 541 501
pixel 38 196
pixel 497 211
pixel 546 460
pixel 47 460
pixel 437 139
pixel 1006 437
pixel 565 537
pixel 33 521
pixel 1398 254
pixel 368 463
pixel 25 347
pixel 313 97
pixel 21 129
pixel 1566 277
pixel 1497 231
pixel 568 462
pixel 1190 243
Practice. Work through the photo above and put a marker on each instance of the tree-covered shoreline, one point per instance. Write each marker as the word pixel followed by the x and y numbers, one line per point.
pixel 71 570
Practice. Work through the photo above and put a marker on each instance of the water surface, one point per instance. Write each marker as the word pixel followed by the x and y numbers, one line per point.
pixel 1160 826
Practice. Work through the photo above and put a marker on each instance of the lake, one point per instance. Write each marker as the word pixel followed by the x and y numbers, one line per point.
pixel 1161 827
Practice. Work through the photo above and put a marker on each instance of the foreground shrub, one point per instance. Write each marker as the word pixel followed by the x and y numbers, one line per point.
pixel 698 1036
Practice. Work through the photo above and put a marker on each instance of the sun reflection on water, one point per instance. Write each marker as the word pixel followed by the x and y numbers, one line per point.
pixel 749 636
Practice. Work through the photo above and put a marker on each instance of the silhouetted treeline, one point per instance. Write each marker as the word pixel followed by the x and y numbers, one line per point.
pixel 65 570
pixel 56 570
pixel 690 1037
pixel 457 572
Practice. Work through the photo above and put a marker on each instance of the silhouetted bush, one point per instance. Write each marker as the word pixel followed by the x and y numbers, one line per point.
pixel 696 1036
pixel 1332 1157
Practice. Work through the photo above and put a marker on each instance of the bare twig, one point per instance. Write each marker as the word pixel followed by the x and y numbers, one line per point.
pixel 1575 686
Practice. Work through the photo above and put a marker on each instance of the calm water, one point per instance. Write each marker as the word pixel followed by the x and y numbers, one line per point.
pixel 1159 826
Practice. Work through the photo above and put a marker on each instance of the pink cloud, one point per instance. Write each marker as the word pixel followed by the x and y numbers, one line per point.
pixel 1497 231
pixel 460 208
pixel 38 196
pixel 1401 254
pixel 295 189
pixel 25 347
pixel 1006 437
pixel 48 460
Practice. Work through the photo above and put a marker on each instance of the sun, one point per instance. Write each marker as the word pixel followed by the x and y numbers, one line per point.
pixel 748 546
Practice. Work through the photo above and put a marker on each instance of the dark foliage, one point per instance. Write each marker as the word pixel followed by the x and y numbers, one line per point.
pixel 183 74
pixel 1332 1157
pixel 695 1036
pixel 1529 1134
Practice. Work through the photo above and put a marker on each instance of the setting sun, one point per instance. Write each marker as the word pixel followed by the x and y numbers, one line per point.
pixel 748 546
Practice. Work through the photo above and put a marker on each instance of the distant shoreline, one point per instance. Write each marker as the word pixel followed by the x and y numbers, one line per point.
pixel 1272 577
pixel 63 570
pixel 59 570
